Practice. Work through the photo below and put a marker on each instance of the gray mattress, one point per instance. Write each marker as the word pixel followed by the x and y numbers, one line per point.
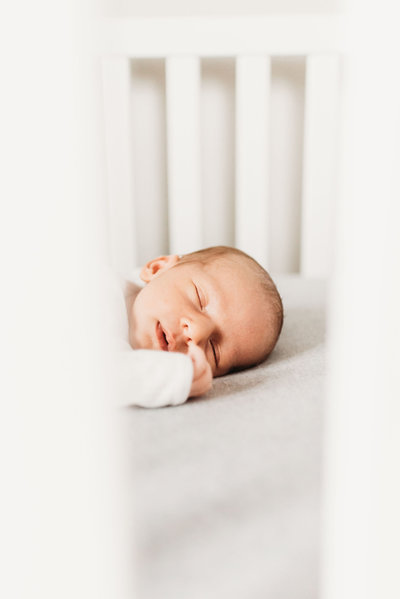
pixel 227 487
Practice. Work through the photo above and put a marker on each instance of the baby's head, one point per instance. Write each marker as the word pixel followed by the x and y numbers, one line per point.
pixel 219 298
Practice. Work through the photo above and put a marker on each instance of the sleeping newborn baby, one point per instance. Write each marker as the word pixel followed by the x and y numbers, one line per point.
pixel 192 318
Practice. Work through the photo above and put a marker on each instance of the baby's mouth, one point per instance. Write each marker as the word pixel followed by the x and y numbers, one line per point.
pixel 161 337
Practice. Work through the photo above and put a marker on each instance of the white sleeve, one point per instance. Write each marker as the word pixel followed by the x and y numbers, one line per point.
pixel 151 378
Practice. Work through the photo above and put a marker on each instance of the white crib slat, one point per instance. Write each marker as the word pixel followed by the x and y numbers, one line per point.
pixel 116 91
pixel 252 155
pixel 183 148
pixel 319 166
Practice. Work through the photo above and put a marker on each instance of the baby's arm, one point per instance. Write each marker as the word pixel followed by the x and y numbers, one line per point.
pixel 152 378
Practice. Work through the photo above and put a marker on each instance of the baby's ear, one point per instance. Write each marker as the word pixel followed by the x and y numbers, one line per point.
pixel 157 266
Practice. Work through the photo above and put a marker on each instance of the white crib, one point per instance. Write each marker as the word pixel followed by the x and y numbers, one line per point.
pixel 234 201
pixel 188 200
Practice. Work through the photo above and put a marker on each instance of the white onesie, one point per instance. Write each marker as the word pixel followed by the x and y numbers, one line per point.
pixel 143 377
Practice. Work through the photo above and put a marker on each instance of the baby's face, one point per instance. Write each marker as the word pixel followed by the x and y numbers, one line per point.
pixel 216 305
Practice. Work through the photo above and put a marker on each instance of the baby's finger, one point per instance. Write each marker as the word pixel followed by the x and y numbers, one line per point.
pixel 196 354
pixel 201 384
pixel 199 360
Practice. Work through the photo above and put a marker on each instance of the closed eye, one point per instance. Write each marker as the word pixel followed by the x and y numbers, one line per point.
pixel 198 295
pixel 214 352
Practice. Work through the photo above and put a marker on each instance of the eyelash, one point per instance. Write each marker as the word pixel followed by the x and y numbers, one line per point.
pixel 214 352
pixel 198 296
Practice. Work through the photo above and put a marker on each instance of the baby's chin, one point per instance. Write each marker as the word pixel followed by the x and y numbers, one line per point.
pixel 134 341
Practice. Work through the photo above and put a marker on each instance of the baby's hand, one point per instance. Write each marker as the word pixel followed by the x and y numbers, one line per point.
pixel 202 373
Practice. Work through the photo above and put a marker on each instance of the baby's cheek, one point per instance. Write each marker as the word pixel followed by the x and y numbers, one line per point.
pixel 140 337
pixel 142 329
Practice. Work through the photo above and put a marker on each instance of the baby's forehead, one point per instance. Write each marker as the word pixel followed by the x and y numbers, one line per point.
pixel 228 269
pixel 234 266
pixel 236 285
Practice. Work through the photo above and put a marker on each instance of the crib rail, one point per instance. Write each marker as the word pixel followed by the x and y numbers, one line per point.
pixel 220 36
pixel 252 43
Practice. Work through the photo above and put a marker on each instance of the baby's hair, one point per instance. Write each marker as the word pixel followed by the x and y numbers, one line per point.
pixel 267 285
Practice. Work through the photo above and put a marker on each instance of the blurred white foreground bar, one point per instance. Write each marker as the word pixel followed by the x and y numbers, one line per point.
pixel 60 516
pixel 362 474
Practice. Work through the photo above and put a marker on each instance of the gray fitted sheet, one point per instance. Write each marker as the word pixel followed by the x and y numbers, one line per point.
pixel 227 487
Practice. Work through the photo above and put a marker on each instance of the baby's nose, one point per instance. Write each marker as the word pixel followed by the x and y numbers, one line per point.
pixel 197 330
